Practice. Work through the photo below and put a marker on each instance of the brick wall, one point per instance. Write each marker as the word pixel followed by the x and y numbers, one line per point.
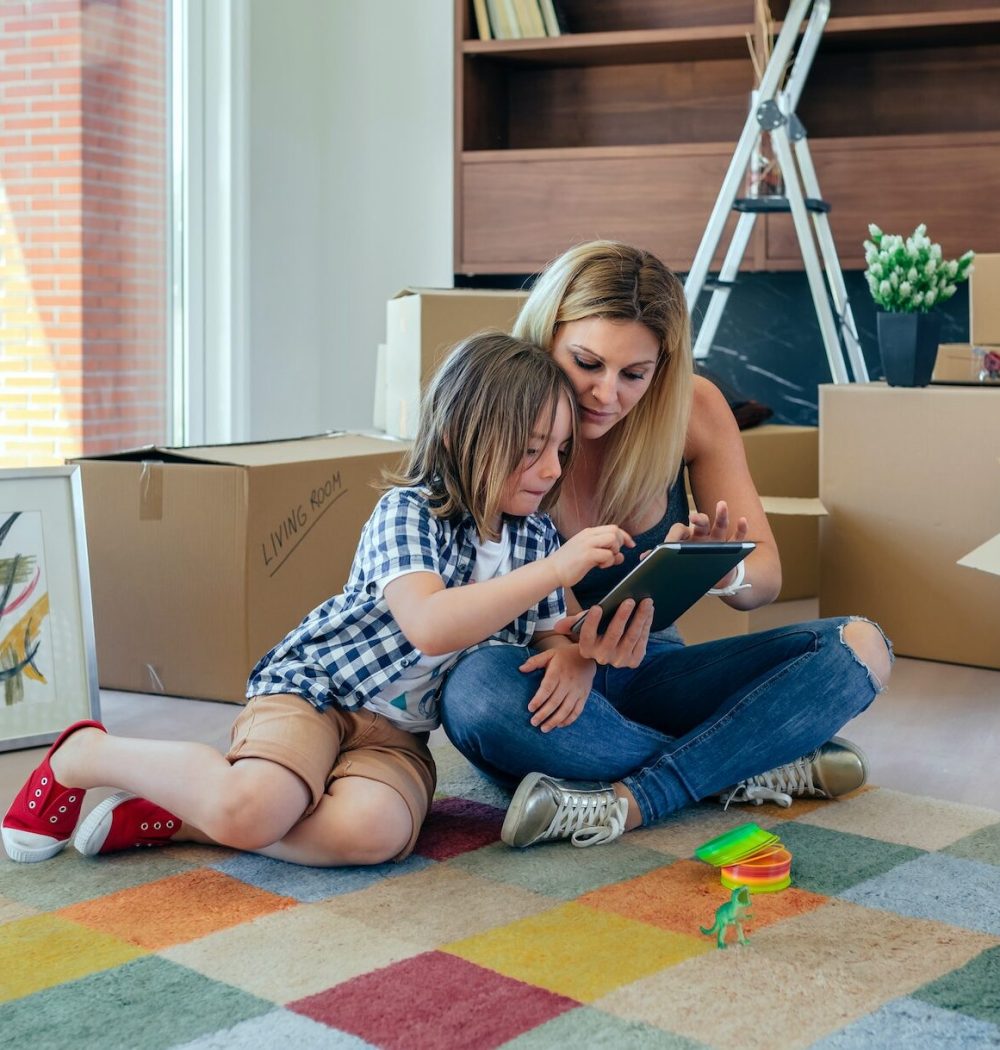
pixel 83 227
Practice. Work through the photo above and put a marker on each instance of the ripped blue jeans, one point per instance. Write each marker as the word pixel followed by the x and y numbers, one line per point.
pixel 688 723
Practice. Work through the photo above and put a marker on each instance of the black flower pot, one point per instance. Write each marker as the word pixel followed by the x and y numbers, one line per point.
pixel 908 344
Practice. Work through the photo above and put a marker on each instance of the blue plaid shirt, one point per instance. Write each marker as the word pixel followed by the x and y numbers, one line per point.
pixel 350 647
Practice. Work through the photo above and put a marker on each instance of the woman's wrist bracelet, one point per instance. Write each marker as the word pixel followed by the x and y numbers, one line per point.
pixel 736 585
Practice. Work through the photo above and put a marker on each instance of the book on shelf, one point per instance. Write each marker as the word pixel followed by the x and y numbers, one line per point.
pixel 554 25
pixel 482 19
pixel 514 24
pixel 529 18
pixel 499 21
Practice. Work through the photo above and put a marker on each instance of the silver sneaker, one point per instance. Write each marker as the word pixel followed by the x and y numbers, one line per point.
pixel 587 813
pixel 833 769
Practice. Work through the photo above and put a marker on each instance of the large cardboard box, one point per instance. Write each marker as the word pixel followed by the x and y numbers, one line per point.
pixel 201 559
pixel 984 301
pixel 784 464
pixel 422 325
pixel 911 483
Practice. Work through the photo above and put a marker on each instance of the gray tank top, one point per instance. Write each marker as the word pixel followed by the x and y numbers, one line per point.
pixel 592 588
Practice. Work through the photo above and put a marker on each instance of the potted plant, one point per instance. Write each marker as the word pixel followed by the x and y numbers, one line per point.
pixel 908 279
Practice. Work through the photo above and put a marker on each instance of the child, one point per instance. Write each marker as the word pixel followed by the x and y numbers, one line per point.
pixel 329 763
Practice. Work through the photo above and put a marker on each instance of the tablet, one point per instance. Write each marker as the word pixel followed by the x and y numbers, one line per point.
pixel 675 576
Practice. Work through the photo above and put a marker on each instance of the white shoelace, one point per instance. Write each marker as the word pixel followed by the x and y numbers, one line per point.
pixel 777 785
pixel 588 821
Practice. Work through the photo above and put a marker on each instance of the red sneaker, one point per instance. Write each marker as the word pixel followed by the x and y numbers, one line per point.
pixel 125 821
pixel 43 814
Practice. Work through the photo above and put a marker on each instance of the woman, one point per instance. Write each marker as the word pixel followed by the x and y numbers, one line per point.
pixel 608 732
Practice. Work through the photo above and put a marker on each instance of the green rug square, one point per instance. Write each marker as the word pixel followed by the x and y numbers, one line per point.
pixel 69 878
pixel 973 989
pixel 982 845
pixel 144 1005
pixel 830 862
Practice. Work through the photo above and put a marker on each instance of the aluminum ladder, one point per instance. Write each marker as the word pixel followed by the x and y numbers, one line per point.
pixel 775 113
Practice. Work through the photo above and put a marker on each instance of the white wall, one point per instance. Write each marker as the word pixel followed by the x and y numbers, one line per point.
pixel 350 114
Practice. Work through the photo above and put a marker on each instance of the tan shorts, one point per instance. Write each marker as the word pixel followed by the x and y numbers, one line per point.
pixel 322 746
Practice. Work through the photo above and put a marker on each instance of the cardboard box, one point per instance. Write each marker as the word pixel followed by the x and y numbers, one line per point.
pixel 910 480
pixel 784 464
pixel 201 559
pixel 984 301
pixel 956 363
pixel 422 325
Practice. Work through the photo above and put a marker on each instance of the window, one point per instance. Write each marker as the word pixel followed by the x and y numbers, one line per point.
pixel 83 227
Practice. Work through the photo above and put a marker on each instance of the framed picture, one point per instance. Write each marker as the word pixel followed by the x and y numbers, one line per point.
pixel 48 663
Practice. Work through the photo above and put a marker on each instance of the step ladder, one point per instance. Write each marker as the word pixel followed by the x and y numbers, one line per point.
pixel 775 113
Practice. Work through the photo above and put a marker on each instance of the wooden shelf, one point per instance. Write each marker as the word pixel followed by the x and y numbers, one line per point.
pixel 613 49
pixel 700 43
pixel 624 132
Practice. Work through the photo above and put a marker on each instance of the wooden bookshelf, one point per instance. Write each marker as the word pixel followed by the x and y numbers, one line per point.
pixel 624 127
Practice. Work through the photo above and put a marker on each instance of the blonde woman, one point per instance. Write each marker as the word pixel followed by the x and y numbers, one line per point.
pixel 610 731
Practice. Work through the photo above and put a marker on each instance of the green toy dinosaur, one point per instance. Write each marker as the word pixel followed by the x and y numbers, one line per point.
pixel 732 913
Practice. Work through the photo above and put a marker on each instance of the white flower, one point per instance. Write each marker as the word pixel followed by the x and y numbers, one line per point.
pixel 930 297
pixel 904 290
pixel 885 289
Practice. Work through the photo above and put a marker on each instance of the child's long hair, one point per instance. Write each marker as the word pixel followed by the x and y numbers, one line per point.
pixel 476 423
pixel 621 283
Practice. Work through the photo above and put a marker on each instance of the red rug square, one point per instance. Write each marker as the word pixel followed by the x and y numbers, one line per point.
pixel 456 825
pixel 435 1001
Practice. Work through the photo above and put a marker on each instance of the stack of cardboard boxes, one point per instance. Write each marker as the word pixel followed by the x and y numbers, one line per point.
pixel 910 478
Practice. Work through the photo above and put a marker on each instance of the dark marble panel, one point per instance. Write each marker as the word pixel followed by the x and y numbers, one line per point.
pixel 768 346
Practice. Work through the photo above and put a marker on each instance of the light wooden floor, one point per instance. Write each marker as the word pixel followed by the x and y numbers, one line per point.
pixel 935 731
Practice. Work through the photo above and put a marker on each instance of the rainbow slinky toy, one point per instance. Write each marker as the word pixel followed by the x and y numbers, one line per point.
pixel 749 856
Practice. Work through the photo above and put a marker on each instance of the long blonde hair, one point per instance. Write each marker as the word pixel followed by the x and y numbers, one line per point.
pixel 477 418
pixel 618 282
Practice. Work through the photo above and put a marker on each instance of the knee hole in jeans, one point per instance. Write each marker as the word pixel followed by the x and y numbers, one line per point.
pixel 870 647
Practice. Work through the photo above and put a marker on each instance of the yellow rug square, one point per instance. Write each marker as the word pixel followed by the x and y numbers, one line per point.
pixel 577 951
pixel 58 951
pixel 176 909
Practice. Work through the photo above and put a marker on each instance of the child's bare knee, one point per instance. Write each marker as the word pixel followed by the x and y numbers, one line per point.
pixel 870 647
pixel 374 824
pixel 245 819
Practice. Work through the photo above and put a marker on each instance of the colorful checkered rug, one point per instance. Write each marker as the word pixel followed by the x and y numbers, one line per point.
pixel 889 937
